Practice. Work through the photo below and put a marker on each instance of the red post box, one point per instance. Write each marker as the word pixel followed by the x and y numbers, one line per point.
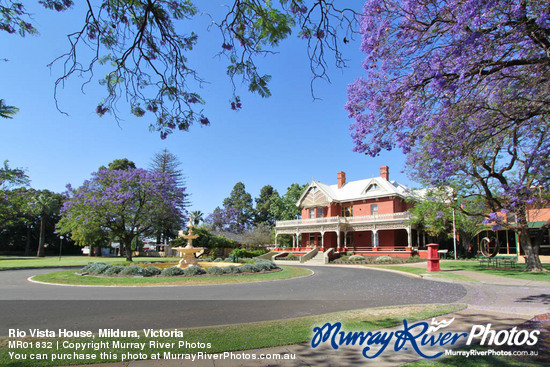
pixel 433 257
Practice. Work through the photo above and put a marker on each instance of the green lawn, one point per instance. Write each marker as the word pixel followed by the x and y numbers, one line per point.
pixel 517 272
pixel 237 337
pixel 11 262
pixel 421 271
pixel 69 277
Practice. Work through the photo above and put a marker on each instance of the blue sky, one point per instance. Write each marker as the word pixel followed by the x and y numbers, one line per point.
pixel 280 140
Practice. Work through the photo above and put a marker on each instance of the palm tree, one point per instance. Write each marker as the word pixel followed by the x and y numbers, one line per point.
pixel 46 203
pixel 6 111
pixel 197 217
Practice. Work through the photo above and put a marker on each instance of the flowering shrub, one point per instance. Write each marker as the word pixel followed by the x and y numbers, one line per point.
pixel 356 258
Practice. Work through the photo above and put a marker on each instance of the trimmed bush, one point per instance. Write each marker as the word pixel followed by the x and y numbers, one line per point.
pixel 103 268
pixel 241 252
pixel 249 268
pixel 132 270
pixel 151 270
pixel 356 258
pixel 114 270
pixel 215 270
pixel 231 269
pixel 86 269
pixel 383 259
pixel 263 266
pixel 194 270
pixel 98 268
pixel 218 260
pixel 269 263
pixel 172 271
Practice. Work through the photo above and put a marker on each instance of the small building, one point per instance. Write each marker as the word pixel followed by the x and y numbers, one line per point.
pixel 367 217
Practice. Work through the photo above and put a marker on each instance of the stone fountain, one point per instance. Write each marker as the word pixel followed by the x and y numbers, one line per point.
pixel 188 252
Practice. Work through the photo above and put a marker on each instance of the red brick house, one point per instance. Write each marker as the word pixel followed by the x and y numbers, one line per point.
pixel 367 217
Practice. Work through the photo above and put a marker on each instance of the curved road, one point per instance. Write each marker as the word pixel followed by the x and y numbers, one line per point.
pixel 26 305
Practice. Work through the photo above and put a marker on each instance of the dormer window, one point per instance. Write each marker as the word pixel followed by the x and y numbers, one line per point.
pixel 372 187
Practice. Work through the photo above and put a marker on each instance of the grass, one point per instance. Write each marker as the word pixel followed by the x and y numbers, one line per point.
pixel 10 262
pixel 517 272
pixel 422 271
pixel 234 337
pixel 69 277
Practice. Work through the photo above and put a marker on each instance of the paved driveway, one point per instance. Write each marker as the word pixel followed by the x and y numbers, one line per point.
pixel 27 305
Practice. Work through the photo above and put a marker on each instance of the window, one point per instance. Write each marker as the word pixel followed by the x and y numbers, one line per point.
pixel 372 187
pixel 347 211
pixel 374 209
pixel 319 213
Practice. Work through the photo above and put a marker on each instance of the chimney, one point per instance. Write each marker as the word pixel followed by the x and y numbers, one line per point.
pixel 385 172
pixel 341 179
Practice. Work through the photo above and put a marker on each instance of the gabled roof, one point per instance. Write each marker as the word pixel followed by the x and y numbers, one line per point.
pixel 372 188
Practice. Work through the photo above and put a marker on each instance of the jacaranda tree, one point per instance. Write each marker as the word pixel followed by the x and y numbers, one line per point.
pixel 462 87
pixel 143 48
pixel 124 202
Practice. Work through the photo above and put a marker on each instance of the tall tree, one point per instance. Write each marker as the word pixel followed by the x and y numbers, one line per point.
pixel 225 220
pixel 462 88
pixel 263 204
pixel 46 204
pixel 11 202
pixel 10 177
pixel 198 217
pixel 123 202
pixel 284 208
pixel 167 225
pixel 119 164
pixel 241 201
pixel 167 162
pixel 146 57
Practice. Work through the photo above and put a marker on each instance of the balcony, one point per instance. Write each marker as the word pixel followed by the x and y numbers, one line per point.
pixel 377 218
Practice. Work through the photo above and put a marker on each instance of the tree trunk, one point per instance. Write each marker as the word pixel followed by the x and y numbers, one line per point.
pixel 91 252
pixel 28 242
pixel 40 252
pixel 127 249
pixel 532 260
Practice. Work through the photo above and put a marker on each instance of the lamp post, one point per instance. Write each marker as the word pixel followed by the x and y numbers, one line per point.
pixel 454 233
pixel 60 246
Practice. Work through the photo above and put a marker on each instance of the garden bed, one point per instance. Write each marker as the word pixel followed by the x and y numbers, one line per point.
pixel 359 259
